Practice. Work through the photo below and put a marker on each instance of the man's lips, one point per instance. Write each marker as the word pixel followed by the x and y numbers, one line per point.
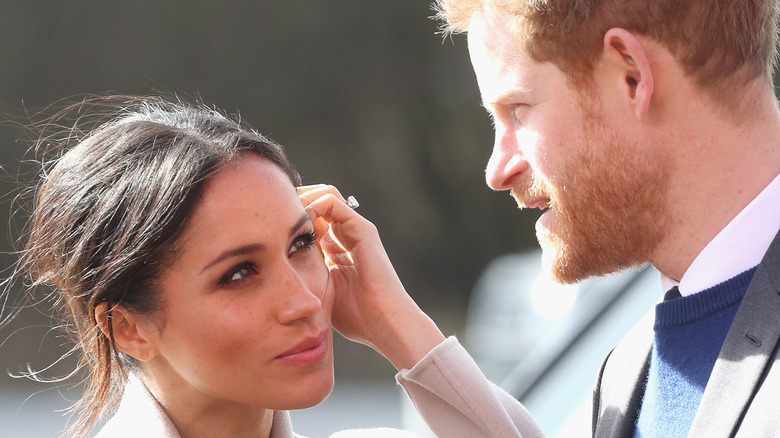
pixel 307 352
pixel 531 197
pixel 540 203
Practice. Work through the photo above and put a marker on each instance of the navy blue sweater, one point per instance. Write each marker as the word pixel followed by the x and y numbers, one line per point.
pixel 689 332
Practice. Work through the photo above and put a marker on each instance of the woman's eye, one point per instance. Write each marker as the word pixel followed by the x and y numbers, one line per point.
pixel 238 274
pixel 302 242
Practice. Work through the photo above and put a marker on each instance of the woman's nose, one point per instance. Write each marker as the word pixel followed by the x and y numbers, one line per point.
pixel 506 161
pixel 298 301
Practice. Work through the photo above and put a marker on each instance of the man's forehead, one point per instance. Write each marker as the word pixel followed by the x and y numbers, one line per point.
pixel 499 61
pixel 492 26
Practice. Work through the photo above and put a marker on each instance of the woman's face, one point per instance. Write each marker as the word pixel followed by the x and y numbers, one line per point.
pixel 246 313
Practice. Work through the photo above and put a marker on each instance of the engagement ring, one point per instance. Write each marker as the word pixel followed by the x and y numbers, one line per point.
pixel 352 202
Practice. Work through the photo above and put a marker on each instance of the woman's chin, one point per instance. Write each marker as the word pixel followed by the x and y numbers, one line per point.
pixel 309 394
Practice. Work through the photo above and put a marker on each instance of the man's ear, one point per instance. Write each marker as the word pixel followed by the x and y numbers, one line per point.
pixel 623 50
pixel 128 330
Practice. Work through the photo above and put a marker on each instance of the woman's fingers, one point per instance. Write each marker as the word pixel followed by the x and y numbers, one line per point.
pixel 327 208
pixel 346 227
pixel 309 193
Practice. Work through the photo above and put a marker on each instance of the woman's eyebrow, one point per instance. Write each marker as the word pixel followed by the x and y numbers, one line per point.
pixel 254 247
pixel 241 250
pixel 301 222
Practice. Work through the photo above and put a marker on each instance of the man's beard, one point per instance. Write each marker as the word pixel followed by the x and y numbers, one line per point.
pixel 607 208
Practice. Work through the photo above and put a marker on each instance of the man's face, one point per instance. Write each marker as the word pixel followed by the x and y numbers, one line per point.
pixel 554 149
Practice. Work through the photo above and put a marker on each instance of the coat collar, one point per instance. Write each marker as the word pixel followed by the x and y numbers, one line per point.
pixel 621 382
pixel 139 414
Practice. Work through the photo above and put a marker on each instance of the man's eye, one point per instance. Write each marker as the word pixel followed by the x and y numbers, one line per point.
pixel 518 111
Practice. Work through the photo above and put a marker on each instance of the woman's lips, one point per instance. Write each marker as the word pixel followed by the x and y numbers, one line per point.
pixel 307 352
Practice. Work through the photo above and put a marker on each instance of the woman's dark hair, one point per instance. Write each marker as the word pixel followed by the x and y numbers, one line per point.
pixel 108 212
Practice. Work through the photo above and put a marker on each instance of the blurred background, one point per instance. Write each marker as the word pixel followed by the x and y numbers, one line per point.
pixel 363 95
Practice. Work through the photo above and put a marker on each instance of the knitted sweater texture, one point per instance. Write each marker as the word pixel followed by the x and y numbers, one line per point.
pixel 689 332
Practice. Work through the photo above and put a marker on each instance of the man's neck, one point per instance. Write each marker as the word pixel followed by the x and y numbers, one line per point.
pixel 716 168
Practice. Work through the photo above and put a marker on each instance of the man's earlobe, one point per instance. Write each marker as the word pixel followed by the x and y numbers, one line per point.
pixel 128 336
pixel 626 52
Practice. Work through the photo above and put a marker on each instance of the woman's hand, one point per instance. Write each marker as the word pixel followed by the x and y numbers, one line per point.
pixel 371 305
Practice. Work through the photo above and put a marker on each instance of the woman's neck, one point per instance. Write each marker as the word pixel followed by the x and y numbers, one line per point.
pixel 196 417
pixel 223 423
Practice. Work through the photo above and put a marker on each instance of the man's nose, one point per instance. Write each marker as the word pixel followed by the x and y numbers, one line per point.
pixel 506 162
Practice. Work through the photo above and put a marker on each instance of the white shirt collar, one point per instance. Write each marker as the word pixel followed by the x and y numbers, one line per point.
pixel 739 246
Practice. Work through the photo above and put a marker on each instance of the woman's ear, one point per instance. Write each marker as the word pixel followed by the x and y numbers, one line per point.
pixel 129 336
pixel 623 50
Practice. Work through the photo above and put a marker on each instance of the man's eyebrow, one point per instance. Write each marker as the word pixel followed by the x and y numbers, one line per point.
pixel 505 95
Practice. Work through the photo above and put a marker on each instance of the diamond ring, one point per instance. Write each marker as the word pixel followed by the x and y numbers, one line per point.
pixel 352 202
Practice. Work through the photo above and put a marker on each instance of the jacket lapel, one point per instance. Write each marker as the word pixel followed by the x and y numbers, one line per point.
pixel 621 384
pixel 746 353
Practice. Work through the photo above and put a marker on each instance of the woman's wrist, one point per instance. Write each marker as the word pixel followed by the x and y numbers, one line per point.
pixel 407 340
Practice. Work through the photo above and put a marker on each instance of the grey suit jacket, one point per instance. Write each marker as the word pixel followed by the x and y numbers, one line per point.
pixel 742 396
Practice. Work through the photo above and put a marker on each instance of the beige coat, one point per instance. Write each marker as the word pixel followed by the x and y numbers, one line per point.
pixel 139 415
